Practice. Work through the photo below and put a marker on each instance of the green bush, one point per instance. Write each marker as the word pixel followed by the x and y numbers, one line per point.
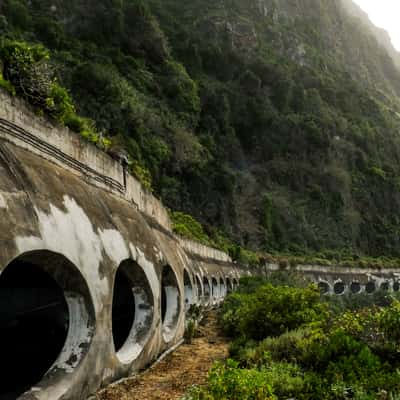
pixel 307 350
pixel 18 14
pixel 27 68
pixel 142 174
pixel 59 103
pixel 389 321
pixel 27 72
pixel 6 85
pixel 287 380
pixel 271 311
pixel 290 346
pixel 185 225
pixel 182 91
pixel 228 382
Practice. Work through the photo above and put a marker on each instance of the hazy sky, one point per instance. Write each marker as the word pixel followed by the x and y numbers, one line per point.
pixel 385 14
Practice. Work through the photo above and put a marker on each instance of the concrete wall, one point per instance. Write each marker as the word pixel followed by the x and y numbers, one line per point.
pixel 64 208
pixel 20 125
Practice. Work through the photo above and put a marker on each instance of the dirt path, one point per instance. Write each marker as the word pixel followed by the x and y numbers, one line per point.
pixel 170 379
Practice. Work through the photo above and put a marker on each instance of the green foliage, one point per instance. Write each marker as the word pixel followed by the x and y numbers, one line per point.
pixel 6 85
pixel 142 174
pixel 286 380
pixel 246 257
pixel 27 72
pixel 59 103
pixel 190 331
pixel 341 354
pixel 27 69
pixel 263 131
pixel 228 382
pixel 389 321
pixel 181 90
pixel 18 14
pixel 270 311
pixel 186 226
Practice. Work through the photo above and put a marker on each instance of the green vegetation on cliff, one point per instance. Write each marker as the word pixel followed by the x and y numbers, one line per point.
pixel 275 123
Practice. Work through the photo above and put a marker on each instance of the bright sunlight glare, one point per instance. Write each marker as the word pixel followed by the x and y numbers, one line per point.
pixel 385 14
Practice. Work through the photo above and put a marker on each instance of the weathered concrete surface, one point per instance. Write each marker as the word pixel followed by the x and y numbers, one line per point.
pixel 20 125
pixel 64 207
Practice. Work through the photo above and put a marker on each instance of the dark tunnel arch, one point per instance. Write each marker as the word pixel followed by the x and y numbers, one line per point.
pixel 215 288
pixel 189 293
pixel 370 287
pixel 199 288
pixel 132 312
pixel 222 288
pixel 385 286
pixel 324 287
pixel 229 286
pixel 355 287
pixel 206 289
pixel 396 286
pixel 339 287
pixel 170 302
pixel 49 311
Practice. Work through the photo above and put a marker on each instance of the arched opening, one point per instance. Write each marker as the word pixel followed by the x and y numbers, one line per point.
pixel 46 320
pixel 170 302
pixel 123 309
pixel 199 288
pixel 235 283
pixel 339 287
pixel 323 287
pixel 215 288
pixel 355 287
pixel 385 285
pixel 229 286
pixel 206 289
pixel 396 286
pixel 132 312
pixel 222 288
pixel 370 287
pixel 189 297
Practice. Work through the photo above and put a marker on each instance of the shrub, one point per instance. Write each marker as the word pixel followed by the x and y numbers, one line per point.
pixel 287 380
pixel 182 91
pixel 229 382
pixel 27 72
pixel 271 311
pixel 389 321
pixel 27 68
pixel 142 174
pixel 339 354
pixel 6 85
pixel 185 225
pixel 60 103
pixel 18 14
pixel 290 346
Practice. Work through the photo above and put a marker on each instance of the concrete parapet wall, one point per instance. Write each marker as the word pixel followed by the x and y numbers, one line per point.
pixel 20 125
pixel 334 269
pixel 203 251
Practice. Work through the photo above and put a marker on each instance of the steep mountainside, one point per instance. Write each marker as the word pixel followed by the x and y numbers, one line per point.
pixel 273 122
pixel 380 34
